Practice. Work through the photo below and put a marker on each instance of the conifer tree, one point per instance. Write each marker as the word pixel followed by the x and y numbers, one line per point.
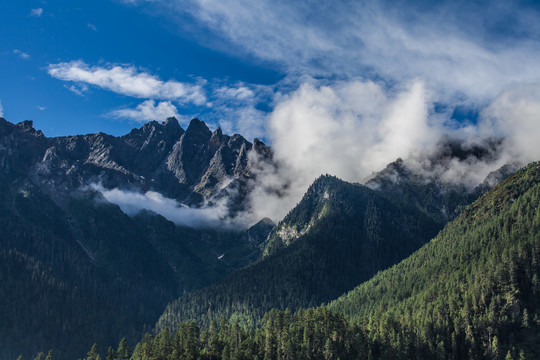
pixel 123 352
pixel 50 355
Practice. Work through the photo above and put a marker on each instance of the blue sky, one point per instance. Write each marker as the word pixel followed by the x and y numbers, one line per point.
pixel 111 65
pixel 100 33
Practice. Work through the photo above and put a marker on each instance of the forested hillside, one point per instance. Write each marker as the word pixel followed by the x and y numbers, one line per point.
pixel 89 272
pixel 345 233
pixel 471 293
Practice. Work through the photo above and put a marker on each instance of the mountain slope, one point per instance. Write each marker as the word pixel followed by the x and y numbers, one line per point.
pixel 353 233
pixel 472 292
pixel 74 265
pixel 91 273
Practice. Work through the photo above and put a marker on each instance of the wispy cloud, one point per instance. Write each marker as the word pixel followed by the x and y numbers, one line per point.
pixel 129 81
pixel 235 106
pixel 36 12
pixel 78 89
pixel 91 27
pixel 456 48
pixel 1 109
pixel 21 54
pixel 41 108
pixel 148 110
pixel 132 203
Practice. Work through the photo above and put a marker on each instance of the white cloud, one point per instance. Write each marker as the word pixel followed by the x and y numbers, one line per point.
pixel 91 27
pixel 515 115
pixel 1 109
pixel 354 128
pixel 133 202
pixel 348 129
pixel 23 55
pixel 36 12
pixel 127 80
pixel 78 89
pixel 148 110
pixel 41 108
pixel 456 48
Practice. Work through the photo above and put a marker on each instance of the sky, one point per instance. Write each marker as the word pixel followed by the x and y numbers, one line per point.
pixel 341 87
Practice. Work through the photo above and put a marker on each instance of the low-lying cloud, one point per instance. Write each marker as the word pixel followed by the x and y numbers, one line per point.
pixel 132 202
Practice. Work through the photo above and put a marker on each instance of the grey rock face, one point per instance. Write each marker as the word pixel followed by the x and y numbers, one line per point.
pixel 191 166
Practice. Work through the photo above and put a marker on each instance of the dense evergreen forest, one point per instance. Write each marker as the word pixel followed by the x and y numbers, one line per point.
pixel 87 269
pixel 348 232
pixel 471 293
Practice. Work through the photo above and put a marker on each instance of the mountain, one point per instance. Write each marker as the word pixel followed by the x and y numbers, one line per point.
pixel 472 292
pixel 343 234
pixel 75 265
pixel 338 236
pixel 429 184
pixel 189 166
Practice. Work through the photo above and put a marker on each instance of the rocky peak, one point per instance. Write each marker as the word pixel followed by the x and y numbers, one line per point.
pixel 259 232
pixel 28 127
pixel 171 123
pixel 198 129
pixel 217 133
pixel 262 149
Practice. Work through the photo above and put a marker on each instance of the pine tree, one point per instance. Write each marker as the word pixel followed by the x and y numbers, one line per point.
pixel 50 355
pixel 123 352
pixel 93 354
pixel 111 355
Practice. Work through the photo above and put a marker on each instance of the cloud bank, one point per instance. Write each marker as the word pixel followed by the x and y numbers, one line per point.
pixel 354 128
pixel 455 47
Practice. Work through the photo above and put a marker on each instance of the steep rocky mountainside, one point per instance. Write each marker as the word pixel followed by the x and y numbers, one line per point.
pixel 425 184
pixel 190 166
pixel 75 265
pixel 440 200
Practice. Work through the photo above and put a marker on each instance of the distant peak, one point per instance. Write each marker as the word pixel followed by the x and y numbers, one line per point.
pixel 26 125
pixel 265 221
pixel 173 125
pixel 217 132
pixel 197 125
pixel 171 121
